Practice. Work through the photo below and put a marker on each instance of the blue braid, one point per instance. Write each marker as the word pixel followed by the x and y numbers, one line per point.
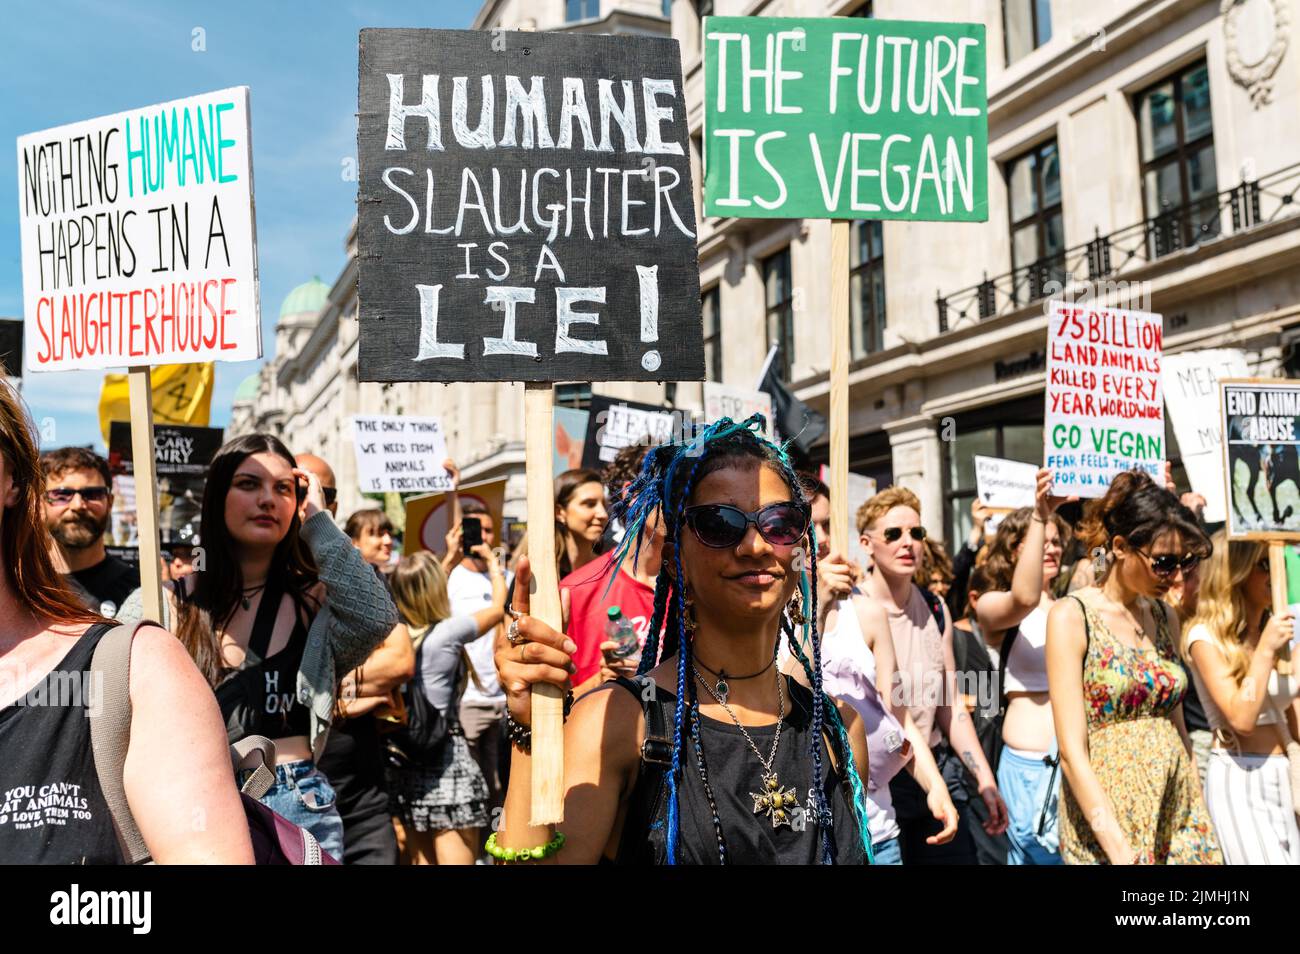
pixel 651 651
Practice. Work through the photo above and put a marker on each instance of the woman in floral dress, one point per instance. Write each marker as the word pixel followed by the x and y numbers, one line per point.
pixel 1130 793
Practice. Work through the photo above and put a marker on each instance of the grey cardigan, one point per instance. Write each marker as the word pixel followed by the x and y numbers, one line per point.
pixel 358 614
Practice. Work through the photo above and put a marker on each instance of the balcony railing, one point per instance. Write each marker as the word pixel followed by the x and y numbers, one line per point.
pixel 1249 205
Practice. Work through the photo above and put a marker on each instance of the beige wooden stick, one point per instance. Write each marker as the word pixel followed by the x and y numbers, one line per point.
pixel 839 387
pixel 1277 577
pixel 140 386
pixel 548 701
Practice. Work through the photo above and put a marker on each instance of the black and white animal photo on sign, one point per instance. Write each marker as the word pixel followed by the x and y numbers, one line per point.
pixel 1261 428
pixel 525 209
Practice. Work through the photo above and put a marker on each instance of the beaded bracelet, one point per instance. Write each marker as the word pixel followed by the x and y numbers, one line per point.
pixel 524 854
pixel 522 735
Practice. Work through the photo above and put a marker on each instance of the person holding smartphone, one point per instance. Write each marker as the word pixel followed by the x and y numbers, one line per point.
pixel 470 585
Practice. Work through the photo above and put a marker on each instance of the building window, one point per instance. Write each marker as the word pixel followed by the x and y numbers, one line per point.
pixel 1037 227
pixel 1179 181
pixel 582 9
pixel 667 8
pixel 779 298
pixel 573 395
pixel 710 304
pixel 985 434
pixel 704 8
pixel 864 10
pixel 867 288
pixel 1026 25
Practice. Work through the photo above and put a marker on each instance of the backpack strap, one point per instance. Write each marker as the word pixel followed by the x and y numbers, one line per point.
pixel 242 754
pixel 110 733
pixel 647 797
pixel 936 607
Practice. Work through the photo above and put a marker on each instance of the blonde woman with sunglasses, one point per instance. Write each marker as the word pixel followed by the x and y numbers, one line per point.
pixel 1233 652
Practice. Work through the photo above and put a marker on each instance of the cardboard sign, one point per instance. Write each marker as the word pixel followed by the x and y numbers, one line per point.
pixel 525 209
pixel 570 438
pixel 1261 427
pixel 426 515
pixel 1191 383
pixel 1105 411
pixel 721 400
pixel 400 453
pixel 614 424
pixel 845 118
pixel 138 237
pixel 181 458
pixel 1005 484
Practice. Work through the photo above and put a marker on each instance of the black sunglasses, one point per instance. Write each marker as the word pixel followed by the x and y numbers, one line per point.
pixel 721 525
pixel 1167 564
pixel 894 534
pixel 62 496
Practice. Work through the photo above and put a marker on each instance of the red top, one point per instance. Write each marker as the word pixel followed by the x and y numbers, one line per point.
pixel 588 601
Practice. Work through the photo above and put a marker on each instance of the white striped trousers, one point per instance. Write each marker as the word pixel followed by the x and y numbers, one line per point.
pixel 1249 798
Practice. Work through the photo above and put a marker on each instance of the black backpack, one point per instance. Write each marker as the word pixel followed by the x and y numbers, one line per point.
pixel 421 739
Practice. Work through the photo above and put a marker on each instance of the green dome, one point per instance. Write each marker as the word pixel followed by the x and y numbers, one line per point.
pixel 248 388
pixel 308 298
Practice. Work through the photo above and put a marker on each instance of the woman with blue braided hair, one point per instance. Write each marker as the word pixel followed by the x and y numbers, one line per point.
pixel 711 755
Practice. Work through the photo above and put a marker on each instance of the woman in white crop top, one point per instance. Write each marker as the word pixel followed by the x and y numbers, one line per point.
pixel 1023 561
pixel 1233 653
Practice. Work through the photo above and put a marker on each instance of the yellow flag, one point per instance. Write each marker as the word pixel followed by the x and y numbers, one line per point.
pixel 182 394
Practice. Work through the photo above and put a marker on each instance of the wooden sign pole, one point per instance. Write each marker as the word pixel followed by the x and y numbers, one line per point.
pixel 839 387
pixel 548 700
pixel 1277 576
pixel 140 383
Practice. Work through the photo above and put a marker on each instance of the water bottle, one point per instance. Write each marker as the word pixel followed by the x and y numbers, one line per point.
pixel 619 629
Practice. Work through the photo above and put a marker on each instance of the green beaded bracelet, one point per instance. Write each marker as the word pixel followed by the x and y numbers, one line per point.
pixel 524 854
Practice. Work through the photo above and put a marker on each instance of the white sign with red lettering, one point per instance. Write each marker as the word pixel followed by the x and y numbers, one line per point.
pixel 138 238
pixel 1105 410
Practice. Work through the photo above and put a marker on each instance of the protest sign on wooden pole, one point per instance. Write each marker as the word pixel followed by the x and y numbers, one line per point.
pixel 153 211
pixel 524 217
pixel 833 131
pixel 1260 424
pixel 839 388
pixel 146 492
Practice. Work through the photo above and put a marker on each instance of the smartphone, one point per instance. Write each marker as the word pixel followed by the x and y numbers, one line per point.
pixel 471 535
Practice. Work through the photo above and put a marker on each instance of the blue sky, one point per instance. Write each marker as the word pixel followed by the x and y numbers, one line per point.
pixel 67 60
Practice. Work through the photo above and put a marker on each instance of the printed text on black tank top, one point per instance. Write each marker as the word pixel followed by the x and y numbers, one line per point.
pixel 276 701
pixel 53 804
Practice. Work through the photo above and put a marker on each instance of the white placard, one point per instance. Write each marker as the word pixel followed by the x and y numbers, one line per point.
pixel 400 453
pixel 1191 382
pixel 138 237
pixel 1104 410
pixel 1005 484
pixel 721 400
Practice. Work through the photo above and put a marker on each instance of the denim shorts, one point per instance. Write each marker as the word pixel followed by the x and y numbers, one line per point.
pixel 1030 789
pixel 888 852
pixel 305 797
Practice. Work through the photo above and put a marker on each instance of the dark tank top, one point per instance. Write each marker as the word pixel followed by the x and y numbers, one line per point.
pixel 260 697
pixel 735 774
pixel 52 810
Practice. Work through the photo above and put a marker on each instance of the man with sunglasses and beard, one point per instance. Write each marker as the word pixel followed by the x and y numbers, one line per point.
pixel 891 531
pixel 78 504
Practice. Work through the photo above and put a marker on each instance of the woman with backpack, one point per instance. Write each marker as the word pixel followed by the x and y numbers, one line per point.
pixel 712 756
pixel 438 796
pixel 1022 564
pixel 1129 792
pixel 52 795
pixel 283 608
pixel 1233 645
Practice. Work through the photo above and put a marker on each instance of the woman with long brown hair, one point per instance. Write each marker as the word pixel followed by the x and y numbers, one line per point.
pixel 178 768
pixel 1021 566
pixel 580 517
pixel 1129 793
pixel 283 608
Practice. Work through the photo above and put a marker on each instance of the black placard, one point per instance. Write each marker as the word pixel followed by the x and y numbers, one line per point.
pixel 11 346
pixel 181 458
pixel 568 277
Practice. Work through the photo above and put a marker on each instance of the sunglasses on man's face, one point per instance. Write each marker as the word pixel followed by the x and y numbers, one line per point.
pixel 894 534
pixel 721 525
pixel 1168 564
pixel 62 496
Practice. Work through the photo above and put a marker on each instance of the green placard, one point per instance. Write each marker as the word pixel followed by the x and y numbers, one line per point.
pixel 845 118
